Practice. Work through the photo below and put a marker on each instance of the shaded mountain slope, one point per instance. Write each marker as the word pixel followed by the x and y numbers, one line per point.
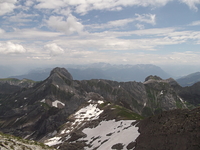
pixel 171 130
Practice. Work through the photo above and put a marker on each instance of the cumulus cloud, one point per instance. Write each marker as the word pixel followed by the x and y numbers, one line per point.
pixel 11 48
pixel 70 26
pixel 7 6
pixel 54 49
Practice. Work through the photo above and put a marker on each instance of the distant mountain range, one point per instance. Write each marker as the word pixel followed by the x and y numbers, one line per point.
pixel 119 73
pixel 189 79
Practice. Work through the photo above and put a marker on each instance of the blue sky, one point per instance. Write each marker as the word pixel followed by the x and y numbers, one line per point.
pixel 41 32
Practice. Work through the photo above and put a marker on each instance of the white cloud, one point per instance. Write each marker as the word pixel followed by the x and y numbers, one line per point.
pixel 84 6
pixel 30 34
pixel 112 24
pixel 21 17
pixel 140 26
pixel 7 6
pixel 54 49
pixel 147 18
pixel 191 3
pixel 2 31
pixel 29 3
pixel 195 23
pixel 70 26
pixel 11 48
pixel 50 4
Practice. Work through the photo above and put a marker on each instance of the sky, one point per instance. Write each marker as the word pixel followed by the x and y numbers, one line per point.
pixel 44 32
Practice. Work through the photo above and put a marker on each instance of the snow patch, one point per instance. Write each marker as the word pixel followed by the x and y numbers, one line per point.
pixel 57 86
pixel 90 112
pixel 89 101
pixel 100 102
pixel 42 101
pixel 87 113
pixel 161 93
pixel 55 103
pixel 109 133
pixel 181 100
pixel 53 141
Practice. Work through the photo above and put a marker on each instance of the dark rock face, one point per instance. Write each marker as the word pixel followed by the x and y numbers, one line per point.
pixel 191 94
pixel 172 130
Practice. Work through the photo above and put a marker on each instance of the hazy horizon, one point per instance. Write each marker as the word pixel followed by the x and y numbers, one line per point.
pixel 176 71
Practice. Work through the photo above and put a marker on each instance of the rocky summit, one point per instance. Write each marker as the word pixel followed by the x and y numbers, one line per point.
pixel 100 114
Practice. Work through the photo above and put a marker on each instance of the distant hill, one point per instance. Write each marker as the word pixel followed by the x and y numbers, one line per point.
pixel 189 79
pixel 121 73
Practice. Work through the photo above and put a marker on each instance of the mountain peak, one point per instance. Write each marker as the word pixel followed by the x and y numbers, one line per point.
pixel 153 78
pixel 61 72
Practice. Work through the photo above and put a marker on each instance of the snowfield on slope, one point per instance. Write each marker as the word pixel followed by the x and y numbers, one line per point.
pixel 109 133
pixel 87 113
pixel 104 136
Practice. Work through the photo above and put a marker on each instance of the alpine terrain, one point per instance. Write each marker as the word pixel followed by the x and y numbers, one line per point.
pixel 69 114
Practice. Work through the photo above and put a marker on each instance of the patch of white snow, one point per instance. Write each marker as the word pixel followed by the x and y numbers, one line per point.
pixel 112 132
pixel 42 101
pixel 100 102
pixel 56 102
pixel 161 92
pixel 53 141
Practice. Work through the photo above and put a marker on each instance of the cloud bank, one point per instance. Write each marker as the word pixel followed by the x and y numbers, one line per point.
pixel 11 48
